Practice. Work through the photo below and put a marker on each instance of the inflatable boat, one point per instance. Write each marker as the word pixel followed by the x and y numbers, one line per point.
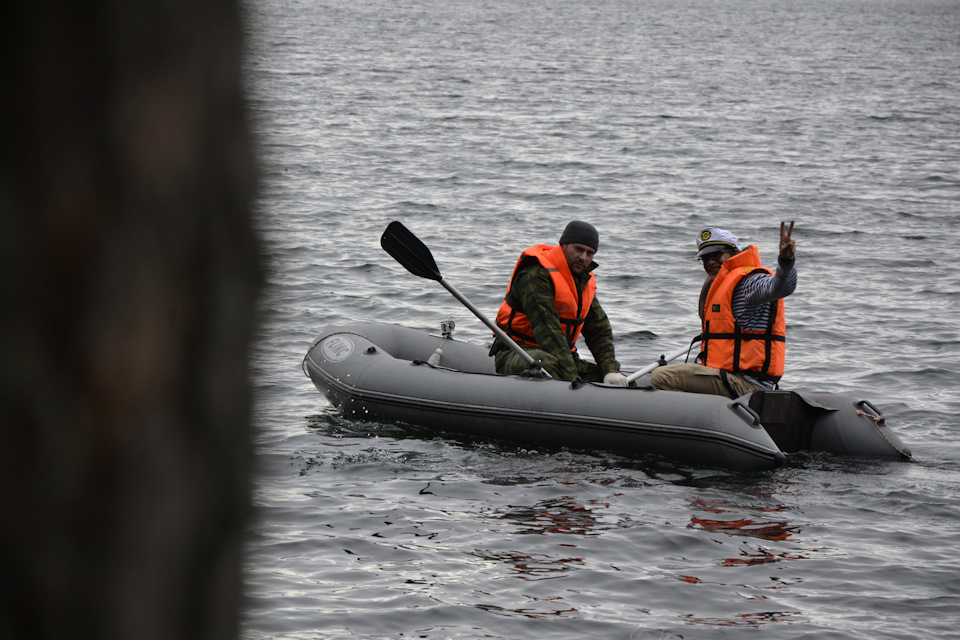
pixel 375 371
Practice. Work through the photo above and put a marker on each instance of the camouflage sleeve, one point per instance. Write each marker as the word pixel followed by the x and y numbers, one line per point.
pixel 598 335
pixel 534 290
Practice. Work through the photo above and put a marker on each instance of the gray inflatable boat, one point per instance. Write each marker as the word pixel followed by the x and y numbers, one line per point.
pixel 383 372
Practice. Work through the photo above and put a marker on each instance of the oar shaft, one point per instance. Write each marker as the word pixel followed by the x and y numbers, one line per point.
pixel 648 369
pixel 497 330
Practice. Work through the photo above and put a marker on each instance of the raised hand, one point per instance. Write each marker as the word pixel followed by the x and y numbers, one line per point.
pixel 788 246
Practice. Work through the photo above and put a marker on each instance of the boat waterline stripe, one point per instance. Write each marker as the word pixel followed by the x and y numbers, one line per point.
pixel 608 424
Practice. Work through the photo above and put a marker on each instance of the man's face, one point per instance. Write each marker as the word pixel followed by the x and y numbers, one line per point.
pixel 579 256
pixel 712 261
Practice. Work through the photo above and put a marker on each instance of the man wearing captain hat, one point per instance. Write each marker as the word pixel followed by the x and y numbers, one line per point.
pixel 743 327
pixel 714 246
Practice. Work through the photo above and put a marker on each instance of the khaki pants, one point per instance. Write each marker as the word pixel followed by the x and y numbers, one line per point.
pixel 695 378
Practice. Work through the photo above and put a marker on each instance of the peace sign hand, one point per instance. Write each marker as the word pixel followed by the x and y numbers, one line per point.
pixel 788 246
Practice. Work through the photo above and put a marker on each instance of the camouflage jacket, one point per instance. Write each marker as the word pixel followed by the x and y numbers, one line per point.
pixel 532 294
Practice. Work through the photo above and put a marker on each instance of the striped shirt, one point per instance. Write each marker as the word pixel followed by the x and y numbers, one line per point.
pixel 753 294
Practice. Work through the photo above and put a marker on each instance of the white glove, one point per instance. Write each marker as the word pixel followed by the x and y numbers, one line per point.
pixel 616 379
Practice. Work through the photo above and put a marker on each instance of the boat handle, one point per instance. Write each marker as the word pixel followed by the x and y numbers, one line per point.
pixel 877 417
pixel 752 416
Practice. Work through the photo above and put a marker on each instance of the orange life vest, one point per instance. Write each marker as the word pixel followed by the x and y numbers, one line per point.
pixel 726 345
pixel 572 307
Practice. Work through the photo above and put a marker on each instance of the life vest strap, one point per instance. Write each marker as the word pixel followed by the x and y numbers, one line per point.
pixel 744 336
pixel 531 340
pixel 726 383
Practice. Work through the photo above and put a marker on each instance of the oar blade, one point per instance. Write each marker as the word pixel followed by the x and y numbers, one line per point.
pixel 408 250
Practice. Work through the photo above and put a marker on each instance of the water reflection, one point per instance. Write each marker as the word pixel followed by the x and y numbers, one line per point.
pixel 746 527
pixel 537 566
pixel 757 619
pixel 562 515
pixel 761 527
pixel 557 515
pixel 538 614
pixel 756 526
pixel 748 521
pixel 761 556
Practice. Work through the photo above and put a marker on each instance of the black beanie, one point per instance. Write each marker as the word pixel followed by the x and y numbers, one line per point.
pixel 581 233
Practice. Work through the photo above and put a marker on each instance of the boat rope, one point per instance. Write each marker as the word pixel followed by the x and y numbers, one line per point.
pixel 876 416
pixel 878 419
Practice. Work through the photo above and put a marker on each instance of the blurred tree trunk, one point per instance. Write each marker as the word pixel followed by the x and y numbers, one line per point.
pixel 129 278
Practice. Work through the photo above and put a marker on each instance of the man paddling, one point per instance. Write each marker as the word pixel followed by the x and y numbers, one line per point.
pixel 550 301
pixel 742 318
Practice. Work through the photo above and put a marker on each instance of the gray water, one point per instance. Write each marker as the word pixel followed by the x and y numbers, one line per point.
pixel 485 126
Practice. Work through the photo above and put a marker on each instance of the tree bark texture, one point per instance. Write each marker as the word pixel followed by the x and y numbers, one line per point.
pixel 129 280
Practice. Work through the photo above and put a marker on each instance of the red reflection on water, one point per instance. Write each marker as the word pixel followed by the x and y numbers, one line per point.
pixel 742 523
pixel 741 526
pixel 747 527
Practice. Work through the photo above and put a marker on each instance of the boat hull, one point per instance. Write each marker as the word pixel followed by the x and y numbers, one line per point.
pixel 378 372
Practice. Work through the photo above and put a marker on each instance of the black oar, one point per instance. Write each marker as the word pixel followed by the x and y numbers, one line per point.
pixel 408 250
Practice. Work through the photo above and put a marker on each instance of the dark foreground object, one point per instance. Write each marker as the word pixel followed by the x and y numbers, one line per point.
pixel 129 277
